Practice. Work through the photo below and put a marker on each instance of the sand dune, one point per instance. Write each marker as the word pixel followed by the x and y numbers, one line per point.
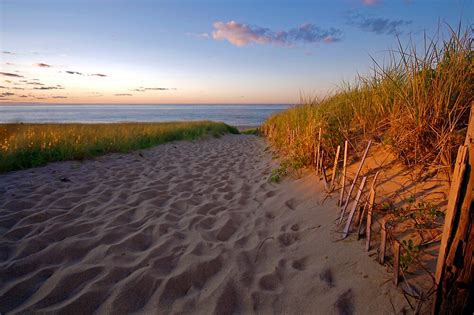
pixel 179 228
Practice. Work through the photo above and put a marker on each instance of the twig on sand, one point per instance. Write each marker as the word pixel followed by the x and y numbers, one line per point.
pixel 261 244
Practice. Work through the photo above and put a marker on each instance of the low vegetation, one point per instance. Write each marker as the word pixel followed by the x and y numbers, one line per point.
pixel 29 145
pixel 417 105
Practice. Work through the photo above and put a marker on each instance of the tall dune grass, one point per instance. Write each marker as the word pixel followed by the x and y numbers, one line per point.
pixel 30 145
pixel 417 104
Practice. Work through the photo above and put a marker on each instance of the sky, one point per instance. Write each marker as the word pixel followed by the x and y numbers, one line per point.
pixel 187 52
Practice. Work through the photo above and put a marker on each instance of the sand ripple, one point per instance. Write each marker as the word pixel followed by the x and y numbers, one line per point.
pixel 188 227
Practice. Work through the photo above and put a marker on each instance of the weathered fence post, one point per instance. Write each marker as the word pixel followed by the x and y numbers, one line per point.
pixel 318 153
pixel 368 228
pixel 343 179
pixel 334 169
pixel 346 204
pixel 396 262
pixel 454 270
pixel 354 208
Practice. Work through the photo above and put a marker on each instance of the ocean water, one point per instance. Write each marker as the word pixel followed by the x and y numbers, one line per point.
pixel 236 115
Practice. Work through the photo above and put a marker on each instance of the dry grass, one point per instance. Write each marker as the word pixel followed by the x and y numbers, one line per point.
pixel 30 145
pixel 417 105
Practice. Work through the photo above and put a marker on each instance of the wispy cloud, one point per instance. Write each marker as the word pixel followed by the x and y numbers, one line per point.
pixel 144 89
pixel 42 65
pixel 58 96
pixel 91 74
pixel 74 72
pixel 8 52
pixel 199 35
pixel 57 87
pixel 34 83
pixel 242 34
pixel 123 94
pixel 6 94
pixel 8 74
pixel 377 25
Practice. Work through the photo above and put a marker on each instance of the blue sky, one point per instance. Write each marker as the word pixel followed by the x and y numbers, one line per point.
pixel 114 51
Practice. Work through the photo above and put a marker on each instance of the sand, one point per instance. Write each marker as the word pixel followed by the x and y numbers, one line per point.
pixel 186 227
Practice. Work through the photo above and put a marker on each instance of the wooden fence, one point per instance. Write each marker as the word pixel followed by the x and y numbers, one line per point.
pixel 454 272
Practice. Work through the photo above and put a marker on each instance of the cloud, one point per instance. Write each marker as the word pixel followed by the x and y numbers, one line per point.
pixel 5 94
pixel 198 35
pixel 7 52
pixel 92 74
pixel 43 65
pixel 144 89
pixel 34 83
pixel 370 2
pixel 377 25
pixel 123 94
pixel 242 34
pixel 8 74
pixel 59 96
pixel 57 87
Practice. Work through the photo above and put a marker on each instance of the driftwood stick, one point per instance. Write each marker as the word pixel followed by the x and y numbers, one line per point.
pixel 343 178
pixel 354 207
pixel 396 262
pixel 334 170
pixel 369 219
pixel 354 181
pixel 383 241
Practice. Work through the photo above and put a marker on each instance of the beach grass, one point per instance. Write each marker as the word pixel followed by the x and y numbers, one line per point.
pixel 417 105
pixel 29 145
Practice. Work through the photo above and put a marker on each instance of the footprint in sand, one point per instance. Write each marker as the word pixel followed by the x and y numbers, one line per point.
pixel 287 239
pixel 299 264
pixel 345 303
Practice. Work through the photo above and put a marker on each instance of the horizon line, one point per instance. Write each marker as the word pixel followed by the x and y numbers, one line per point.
pixel 62 104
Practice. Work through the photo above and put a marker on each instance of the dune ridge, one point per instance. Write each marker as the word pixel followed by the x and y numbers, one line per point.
pixel 191 226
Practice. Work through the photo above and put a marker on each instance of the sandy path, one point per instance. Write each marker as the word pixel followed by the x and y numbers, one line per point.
pixel 182 227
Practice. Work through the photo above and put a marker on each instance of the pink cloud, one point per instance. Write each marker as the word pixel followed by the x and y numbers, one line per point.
pixel 240 34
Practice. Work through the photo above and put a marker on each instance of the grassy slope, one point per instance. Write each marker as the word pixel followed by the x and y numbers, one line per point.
pixel 417 105
pixel 30 145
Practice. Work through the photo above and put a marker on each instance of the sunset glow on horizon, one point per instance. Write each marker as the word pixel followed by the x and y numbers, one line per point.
pixel 190 52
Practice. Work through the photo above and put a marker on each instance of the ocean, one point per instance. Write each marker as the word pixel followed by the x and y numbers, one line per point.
pixel 236 115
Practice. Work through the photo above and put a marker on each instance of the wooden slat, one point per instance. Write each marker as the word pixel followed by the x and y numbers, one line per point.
pixel 455 268
pixel 396 262
pixel 368 232
pixel 354 207
pixel 453 199
pixel 354 181
pixel 334 169
pixel 361 219
pixel 343 178
pixel 323 170
pixel 383 241
pixel 318 156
